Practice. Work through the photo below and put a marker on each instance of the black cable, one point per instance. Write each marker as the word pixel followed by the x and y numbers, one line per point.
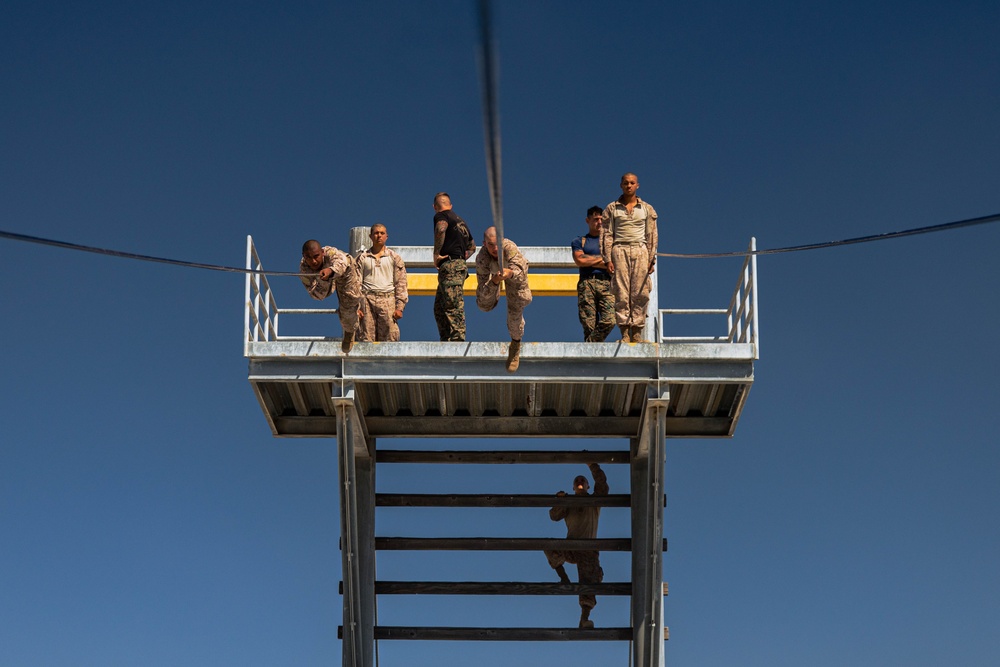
pixel 860 239
pixel 948 226
pixel 145 258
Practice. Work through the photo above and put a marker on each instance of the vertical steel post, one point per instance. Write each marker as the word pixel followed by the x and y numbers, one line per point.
pixel 647 472
pixel 356 470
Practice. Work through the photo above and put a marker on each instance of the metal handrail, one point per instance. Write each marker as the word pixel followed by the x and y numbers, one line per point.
pixel 741 314
pixel 262 312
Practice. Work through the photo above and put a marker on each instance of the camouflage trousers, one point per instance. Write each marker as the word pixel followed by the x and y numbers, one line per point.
pixel 348 286
pixel 515 311
pixel 597 307
pixel 449 302
pixel 588 569
pixel 632 283
pixel 377 324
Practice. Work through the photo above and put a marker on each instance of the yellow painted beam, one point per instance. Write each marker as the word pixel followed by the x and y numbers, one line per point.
pixel 541 284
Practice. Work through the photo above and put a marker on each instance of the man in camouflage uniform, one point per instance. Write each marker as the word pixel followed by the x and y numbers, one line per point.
pixel 593 291
pixel 453 245
pixel 383 288
pixel 628 246
pixel 581 524
pixel 514 275
pixel 336 271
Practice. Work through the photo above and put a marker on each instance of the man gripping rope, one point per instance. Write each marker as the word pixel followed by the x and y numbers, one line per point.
pixel 514 275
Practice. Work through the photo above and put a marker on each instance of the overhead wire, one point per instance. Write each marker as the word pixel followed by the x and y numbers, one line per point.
pixel 943 227
pixel 947 226
pixel 13 236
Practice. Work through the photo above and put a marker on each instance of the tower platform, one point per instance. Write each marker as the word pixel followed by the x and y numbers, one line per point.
pixel 439 390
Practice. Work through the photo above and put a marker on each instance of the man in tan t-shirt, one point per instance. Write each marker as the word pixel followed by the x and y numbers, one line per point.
pixel 383 288
pixel 628 246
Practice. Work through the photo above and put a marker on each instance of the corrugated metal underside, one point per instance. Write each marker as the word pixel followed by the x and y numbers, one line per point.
pixel 458 409
pixel 573 395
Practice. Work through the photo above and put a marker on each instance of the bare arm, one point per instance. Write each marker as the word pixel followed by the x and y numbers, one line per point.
pixel 440 228
pixel 585 261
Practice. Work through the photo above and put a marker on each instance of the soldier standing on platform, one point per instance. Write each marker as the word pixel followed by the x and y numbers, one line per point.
pixel 628 246
pixel 581 524
pixel 514 275
pixel 383 288
pixel 595 302
pixel 453 245
pixel 336 271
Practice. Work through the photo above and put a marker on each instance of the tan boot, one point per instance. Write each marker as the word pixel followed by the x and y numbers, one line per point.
pixel 513 356
pixel 637 335
pixel 626 333
pixel 348 342
pixel 585 621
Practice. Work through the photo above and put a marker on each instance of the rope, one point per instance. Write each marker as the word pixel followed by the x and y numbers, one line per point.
pixel 489 73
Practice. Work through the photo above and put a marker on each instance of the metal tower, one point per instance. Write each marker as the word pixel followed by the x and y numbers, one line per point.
pixel 645 392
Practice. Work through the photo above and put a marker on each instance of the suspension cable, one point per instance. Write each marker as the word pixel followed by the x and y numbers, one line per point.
pixel 943 227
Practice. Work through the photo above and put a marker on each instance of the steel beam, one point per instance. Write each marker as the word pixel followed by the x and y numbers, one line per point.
pixel 647 531
pixel 356 474
pixel 506 457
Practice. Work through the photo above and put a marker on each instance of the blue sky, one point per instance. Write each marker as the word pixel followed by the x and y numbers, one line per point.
pixel 148 517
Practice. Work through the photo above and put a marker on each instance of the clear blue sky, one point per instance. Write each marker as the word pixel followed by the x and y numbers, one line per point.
pixel 147 517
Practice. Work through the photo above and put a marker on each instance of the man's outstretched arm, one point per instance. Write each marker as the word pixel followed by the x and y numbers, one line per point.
pixel 600 480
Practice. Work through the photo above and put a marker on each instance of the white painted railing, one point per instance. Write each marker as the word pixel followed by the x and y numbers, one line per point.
pixel 262 312
pixel 741 315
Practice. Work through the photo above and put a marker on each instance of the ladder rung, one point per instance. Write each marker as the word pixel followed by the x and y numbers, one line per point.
pixel 502 544
pixel 499 634
pixel 498 588
pixel 498 500
pixel 529 456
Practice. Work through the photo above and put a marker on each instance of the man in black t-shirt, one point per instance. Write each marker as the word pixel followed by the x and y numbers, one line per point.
pixel 453 245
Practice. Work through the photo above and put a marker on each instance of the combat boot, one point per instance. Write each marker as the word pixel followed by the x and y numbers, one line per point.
pixel 626 333
pixel 585 621
pixel 348 342
pixel 637 335
pixel 563 577
pixel 513 356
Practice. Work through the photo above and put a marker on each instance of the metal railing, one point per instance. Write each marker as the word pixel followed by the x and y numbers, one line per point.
pixel 262 312
pixel 741 315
